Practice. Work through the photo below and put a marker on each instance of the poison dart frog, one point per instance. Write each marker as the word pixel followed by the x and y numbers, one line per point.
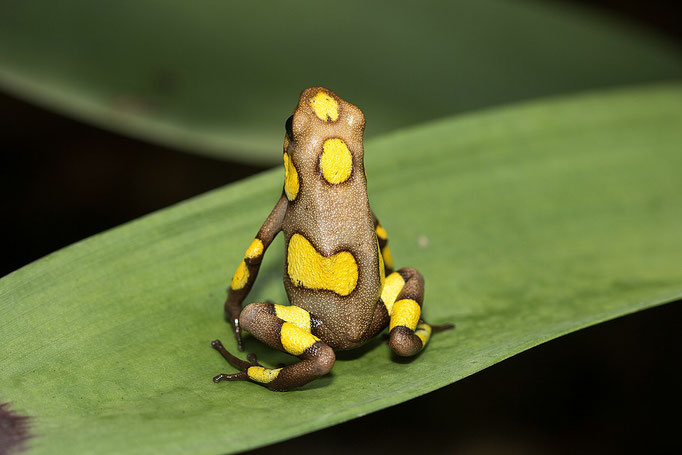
pixel 338 271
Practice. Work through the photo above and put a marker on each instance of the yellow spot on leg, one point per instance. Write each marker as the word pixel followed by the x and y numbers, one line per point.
pixel 406 313
pixel 388 257
pixel 325 107
pixel 241 276
pixel 297 316
pixel 336 161
pixel 392 287
pixel 381 232
pixel 254 250
pixel 309 269
pixel 382 269
pixel 423 332
pixel 296 340
pixel 290 178
pixel 262 375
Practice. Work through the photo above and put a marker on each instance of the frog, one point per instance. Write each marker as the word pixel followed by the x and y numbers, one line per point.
pixel 338 267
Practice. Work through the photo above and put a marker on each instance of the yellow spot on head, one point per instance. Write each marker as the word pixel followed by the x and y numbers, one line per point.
pixel 381 232
pixel 290 178
pixel 388 257
pixel 297 316
pixel 325 107
pixel 262 375
pixel 309 269
pixel 392 287
pixel 241 276
pixel 254 250
pixel 423 332
pixel 336 161
pixel 406 313
pixel 296 340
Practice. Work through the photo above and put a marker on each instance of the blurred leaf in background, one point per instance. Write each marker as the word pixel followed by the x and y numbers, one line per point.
pixel 219 77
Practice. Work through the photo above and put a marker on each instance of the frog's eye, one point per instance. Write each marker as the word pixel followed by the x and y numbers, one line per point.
pixel 288 126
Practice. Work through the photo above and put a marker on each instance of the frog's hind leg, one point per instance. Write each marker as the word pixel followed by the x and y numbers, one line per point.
pixel 289 329
pixel 402 296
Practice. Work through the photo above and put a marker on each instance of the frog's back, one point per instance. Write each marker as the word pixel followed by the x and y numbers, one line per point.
pixel 332 266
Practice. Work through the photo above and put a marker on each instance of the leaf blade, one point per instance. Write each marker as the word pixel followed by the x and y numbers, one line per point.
pixel 528 222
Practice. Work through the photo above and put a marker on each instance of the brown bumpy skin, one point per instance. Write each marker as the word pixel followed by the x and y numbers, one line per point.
pixel 338 266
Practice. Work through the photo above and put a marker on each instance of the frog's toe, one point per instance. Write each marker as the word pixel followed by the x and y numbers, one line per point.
pixel 231 359
pixel 241 376
pixel 442 327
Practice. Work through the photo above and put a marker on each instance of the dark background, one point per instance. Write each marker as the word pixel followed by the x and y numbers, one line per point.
pixel 610 388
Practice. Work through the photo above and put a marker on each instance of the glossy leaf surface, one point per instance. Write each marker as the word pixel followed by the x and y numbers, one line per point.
pixel 528 222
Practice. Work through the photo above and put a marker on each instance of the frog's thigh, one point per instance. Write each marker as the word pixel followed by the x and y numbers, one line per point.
pixel 402 296
pixel 288 329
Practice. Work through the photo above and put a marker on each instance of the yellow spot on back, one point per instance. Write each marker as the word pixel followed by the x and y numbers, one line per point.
pixel 255 249
pixel 262 375
pixel 392 287
pixel 336 161
pixel 381 232
pixel 296 340
pixel 423 332
pixel 297 316
pixel 406 313
pixel 290 178
pixel 388 257
pixel 309 269
pixel 241 276
pixel 325 107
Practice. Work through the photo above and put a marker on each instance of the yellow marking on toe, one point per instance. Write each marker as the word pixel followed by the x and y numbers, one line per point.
pixel 254 250
pixel 290 178
pixel 262 375
pixel 325 107
pixel 309 269
pixel 296 340
pixel 297 316
pixel 381 232
pixel 406 313
pixel 388 257
pixel 336 161
pixel 423 331
pixel 392 287
pixel 241 276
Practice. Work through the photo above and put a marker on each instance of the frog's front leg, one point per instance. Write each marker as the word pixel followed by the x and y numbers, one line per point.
pixel 382 237
pixel 402 298
pixel 246 273
pixel 290 329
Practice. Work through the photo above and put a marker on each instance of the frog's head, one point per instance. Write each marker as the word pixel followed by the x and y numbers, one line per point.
pixel 323 139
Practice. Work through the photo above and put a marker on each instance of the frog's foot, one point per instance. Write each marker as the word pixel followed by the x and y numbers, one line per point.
pixel 235 362
pixel 232 316
pixel 286 328
pixel 402 297
pixel 238 334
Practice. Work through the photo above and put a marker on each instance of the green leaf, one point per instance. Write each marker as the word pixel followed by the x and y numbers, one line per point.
pixel 219 77
pixel 528 222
